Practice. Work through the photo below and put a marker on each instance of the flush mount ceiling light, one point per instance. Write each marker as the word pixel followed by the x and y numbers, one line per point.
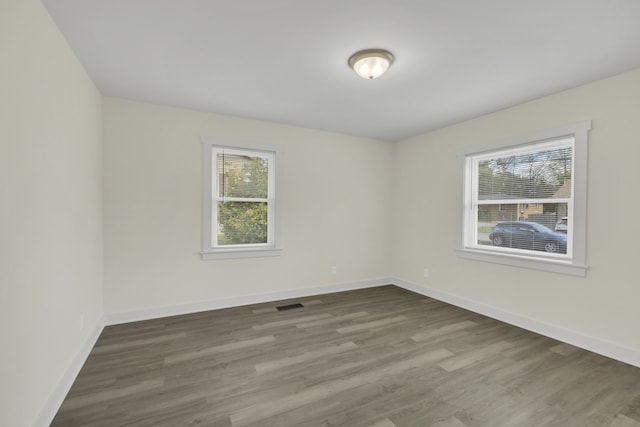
pixel 370 63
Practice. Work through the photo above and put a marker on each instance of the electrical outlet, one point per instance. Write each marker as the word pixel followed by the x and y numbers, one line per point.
pixel 334 269
pixel 426 272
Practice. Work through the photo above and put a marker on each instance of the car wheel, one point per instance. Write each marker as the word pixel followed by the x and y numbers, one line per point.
pixel 497 240
pixel 551 247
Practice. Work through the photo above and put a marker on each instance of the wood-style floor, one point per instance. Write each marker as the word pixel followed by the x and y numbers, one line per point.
pixel 380 357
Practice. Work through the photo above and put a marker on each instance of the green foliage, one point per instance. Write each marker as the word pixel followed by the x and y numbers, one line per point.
pixel 484 229
pixel 245 177
pixel 244 222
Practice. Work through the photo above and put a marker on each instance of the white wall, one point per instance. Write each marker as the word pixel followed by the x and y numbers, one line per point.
pixel 336 196
pixel 604 305
pixel 50 215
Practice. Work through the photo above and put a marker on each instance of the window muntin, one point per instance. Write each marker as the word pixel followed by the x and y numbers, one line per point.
pixel 485 200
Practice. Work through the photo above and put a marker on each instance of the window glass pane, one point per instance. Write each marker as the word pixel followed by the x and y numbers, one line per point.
pixel 241 223
pixel 242 175
pixel 524 226
pixel 532 175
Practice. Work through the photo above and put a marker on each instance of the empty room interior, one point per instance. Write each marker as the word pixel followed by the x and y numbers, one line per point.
pixel 341 213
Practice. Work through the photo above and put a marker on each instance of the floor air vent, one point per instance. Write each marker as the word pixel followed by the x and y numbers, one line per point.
pixel 289 307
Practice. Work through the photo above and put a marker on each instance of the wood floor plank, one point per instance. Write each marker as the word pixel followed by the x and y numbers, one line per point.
pixel 371 325
pixel 205 352
pixel 383 423
pixel 141 342
pixel 564 349
pixel 474 356
pixel 382 357
pixel 444 330
pixel 306 357
pixel 293 321
pixel 623 421
pixel 113 393
pixel 331 320
pixel 449 422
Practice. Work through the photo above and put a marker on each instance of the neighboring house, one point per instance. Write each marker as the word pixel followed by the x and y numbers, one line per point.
pixel 526 211
pixel 564 192
pixel 509 211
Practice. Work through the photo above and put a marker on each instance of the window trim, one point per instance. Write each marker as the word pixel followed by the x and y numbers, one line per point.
pixel 211 252
pixel 577 264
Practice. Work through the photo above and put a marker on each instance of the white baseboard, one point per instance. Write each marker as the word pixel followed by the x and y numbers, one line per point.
pixel 51 407
pixel 195 307
pixel 596 345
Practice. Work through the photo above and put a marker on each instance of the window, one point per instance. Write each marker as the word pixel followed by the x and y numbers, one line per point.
pixel 240 207
pixel 522 202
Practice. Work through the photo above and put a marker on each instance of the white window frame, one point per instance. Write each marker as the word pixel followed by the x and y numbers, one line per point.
pixel 575 262
pixel 210 250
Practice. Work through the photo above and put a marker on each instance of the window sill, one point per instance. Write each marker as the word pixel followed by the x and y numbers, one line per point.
pixel 562 267
pixel 240 253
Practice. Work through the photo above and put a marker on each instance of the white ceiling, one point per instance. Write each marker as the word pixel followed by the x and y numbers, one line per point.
pixel 285 61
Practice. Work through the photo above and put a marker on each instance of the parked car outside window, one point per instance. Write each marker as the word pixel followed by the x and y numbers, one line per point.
pixel 563 225
pixel 528 235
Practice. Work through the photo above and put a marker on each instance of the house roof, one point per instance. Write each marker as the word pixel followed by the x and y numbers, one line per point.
pixel 564 192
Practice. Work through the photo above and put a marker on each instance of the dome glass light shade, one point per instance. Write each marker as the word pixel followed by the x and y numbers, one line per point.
pixel 371 63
